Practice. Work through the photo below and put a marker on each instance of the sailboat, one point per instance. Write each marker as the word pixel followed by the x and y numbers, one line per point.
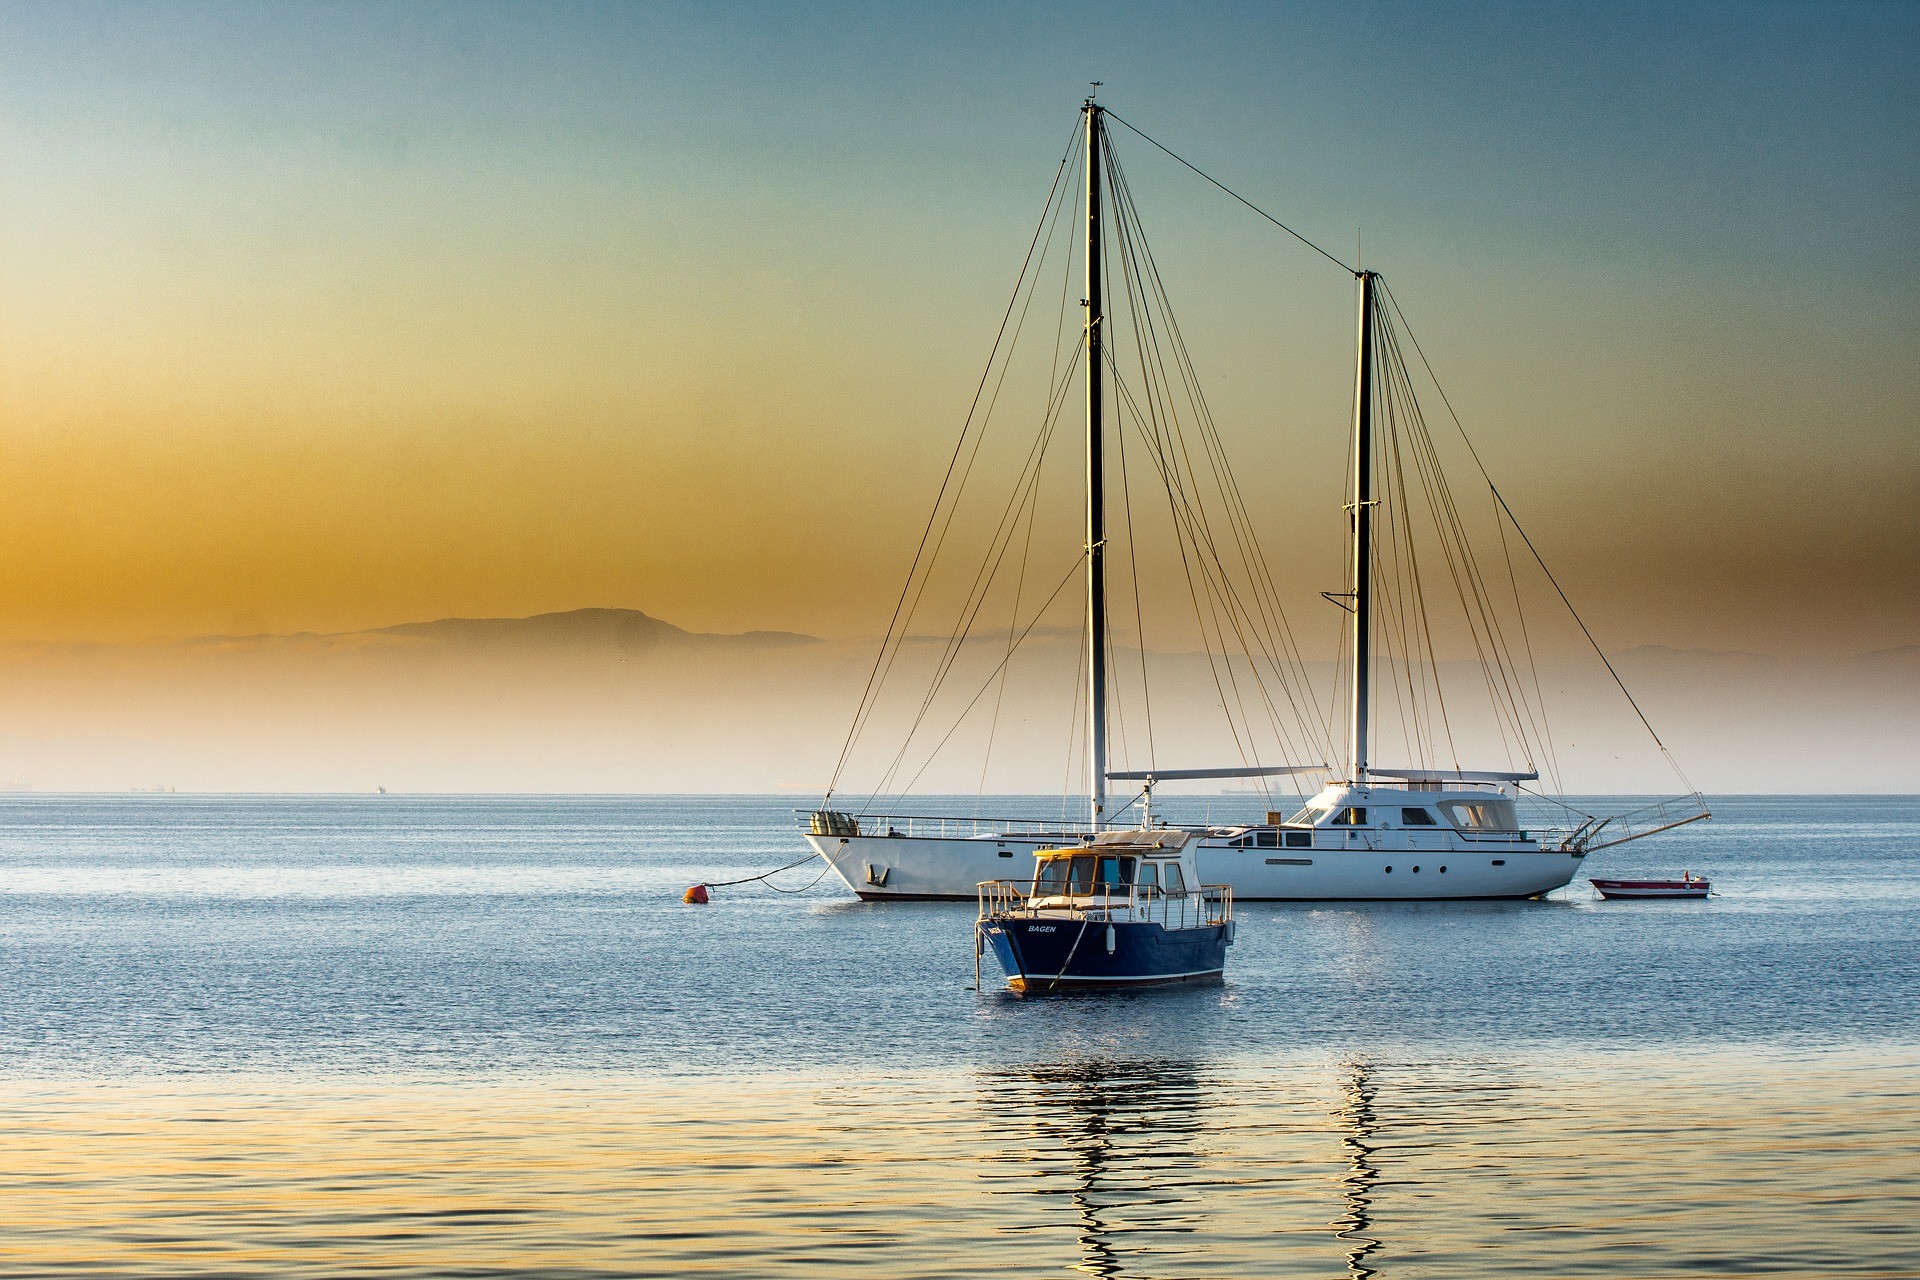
pixel 1372 832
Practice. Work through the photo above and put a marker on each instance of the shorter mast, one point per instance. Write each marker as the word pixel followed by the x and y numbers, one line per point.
pixel 1362 509
pixel 1096 516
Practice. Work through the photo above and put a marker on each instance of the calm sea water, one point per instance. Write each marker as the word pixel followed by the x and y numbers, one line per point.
pixel 483 1036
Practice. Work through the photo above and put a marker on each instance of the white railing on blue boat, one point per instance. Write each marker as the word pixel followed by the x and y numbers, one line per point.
pixel 1211 904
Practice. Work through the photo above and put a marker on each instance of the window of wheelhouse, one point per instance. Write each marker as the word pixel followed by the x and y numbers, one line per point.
pixel 1482 815
pixel 1416 818
pixel 1350 817
pixel 1173 881
pixel 1065 875
pixel 1149 881
pixel 1114 873
pixel 1308 816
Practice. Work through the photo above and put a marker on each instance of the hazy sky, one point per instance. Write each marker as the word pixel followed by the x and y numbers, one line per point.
pixel 339 315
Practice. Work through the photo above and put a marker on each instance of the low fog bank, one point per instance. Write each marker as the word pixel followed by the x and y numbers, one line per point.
pixel 615 701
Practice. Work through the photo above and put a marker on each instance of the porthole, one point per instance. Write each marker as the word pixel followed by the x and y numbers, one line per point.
pixel 1443 870
pixel 1499 862
pixel 1389 870
pixel 1416 871
pixel 1006 853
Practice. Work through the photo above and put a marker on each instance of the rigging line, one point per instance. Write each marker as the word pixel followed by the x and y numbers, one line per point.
pixel 1120 436
pixel 1066 292
pixel 1538 558
pixel 1552 760
pixel 1337 687
pixel 1013 619
pixel 1419 589
pixel 1170 482
pixel 989 566
pixel 1389 573
pixel 1453 545
pixel 1405 603
pixel 1008 522
pixel 984 576
pixel 1420 604
pixel 1556 801
pixel 1349 485
pixel 977 595
pixel 1242 199
pixel 1176 500
pixel 1527 718
pixel 1239 520
pixel 1469 585
pixel 1139 619
pixel 966 425
pixel 1114 702
pixel 1158 392
pixel 1010 513
pixel 991 675
pixel 1159 398
pixel 878 678
pixel 1278 648
pixel 999 545
pixel 1400 602
pixel 1057 399
pixel 1516 706
pixel 1082 650
pixel 1118 706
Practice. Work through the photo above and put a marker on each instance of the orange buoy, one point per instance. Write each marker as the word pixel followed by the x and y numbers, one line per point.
pixel 696 894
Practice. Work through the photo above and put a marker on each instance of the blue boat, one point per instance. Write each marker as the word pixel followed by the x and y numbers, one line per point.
pixel 1123 909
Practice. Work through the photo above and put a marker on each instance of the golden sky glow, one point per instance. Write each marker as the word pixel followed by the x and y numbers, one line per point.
pixel 319 320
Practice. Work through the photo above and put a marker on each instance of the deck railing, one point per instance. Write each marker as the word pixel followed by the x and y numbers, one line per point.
pixel 1210 904
pixel 831 822
pixel 1637 823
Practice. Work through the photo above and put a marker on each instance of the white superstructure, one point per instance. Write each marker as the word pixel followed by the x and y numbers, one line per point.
pixel 1403 839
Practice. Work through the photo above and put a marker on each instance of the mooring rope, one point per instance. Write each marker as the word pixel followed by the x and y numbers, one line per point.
pixel 765 875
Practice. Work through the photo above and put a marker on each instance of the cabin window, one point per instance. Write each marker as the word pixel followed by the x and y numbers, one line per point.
pixel 1267 839
pixel 1309 816
pixel 1350 818
pixel 1115 872
pixel 1149 881
pixel 1481 815
pixel 1065 875
pixel 1176 883
pixel 1240 842
pixel 1299 839
pixel 1417 818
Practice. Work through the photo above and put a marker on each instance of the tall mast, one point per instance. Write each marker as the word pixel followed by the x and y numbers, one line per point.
pixel 1096 517
pixel 1362 509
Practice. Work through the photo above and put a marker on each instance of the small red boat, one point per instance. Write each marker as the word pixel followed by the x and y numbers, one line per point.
pixel 1687 886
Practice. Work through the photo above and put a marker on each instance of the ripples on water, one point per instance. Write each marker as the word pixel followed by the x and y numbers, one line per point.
pixel 483 1037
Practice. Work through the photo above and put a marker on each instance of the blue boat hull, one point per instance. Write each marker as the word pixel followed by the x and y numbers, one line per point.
pixel 1041 954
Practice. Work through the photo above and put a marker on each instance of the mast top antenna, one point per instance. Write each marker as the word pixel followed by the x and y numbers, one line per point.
pixel 1093 89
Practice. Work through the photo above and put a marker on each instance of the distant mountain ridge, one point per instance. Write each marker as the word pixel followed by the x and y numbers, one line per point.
pixel 622 629
pixel 617 700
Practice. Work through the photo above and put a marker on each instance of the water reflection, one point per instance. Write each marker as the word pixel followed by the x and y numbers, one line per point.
pixel 1119 1142
pixel 1358 1123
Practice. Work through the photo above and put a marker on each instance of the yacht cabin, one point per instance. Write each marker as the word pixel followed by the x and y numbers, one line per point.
pixel 1414 814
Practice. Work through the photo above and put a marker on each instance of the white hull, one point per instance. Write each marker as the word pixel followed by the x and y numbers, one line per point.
pixel 1424 865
